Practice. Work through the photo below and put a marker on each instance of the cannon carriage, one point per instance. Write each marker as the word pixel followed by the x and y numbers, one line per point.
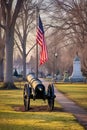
pixel 34 89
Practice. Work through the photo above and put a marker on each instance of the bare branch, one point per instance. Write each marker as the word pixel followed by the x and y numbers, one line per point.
pixel 31 49
pixel 18 47
pixel 16 11
pixel 2 26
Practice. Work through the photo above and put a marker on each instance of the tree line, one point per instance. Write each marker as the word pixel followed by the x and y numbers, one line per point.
pixel 65 24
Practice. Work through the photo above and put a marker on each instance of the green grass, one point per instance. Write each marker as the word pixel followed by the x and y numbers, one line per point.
pixel 76 92
pixel 18 120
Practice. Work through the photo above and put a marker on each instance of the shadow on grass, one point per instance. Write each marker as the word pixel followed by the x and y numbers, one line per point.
pixel 8 86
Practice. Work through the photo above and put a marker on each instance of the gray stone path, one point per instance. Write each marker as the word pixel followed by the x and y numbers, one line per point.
pixel 72 107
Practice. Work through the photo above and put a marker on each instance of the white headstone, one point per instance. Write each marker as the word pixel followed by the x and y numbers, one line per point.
pixel 77 74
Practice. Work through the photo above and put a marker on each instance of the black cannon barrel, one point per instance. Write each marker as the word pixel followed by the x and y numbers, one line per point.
pixel 33 81
pixel 34 89
pixel 37 86
pixel 30 78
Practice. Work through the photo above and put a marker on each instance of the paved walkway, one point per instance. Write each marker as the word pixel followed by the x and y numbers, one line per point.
pixel 72 107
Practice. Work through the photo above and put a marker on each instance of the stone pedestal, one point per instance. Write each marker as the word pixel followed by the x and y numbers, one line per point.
pixel 77 74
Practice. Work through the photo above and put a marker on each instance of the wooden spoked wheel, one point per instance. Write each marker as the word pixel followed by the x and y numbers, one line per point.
pixel 26 96
pixel 50 96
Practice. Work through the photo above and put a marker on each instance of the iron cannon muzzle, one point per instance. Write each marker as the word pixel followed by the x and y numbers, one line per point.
pixel 40 91
pixel 40 87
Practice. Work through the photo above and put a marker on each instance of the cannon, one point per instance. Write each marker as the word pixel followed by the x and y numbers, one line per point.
pixel 34 89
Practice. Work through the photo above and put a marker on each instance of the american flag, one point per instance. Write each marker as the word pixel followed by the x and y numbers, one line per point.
pixel 41 41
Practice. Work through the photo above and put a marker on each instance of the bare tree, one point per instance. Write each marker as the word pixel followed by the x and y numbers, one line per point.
pixel 9 15
pixel 71 18
pixel 24 25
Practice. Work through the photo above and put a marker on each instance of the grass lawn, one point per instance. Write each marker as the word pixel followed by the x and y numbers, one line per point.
pixel 18 120
pixel 76 92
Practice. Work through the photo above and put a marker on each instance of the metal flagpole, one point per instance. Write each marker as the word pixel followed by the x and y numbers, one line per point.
pixel 37 22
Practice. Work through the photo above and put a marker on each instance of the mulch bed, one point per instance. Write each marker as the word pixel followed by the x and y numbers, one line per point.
pixel 37 109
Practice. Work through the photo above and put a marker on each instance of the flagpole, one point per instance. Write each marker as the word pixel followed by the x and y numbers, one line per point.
pixel 37 16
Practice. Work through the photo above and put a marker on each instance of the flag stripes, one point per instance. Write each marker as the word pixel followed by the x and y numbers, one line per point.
pixel 41 41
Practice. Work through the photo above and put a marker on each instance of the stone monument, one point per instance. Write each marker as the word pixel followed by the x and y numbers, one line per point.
pixel 66 77
pixel 77 74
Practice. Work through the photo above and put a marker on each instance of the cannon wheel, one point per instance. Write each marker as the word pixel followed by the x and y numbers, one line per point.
pixel 50 95
pixel 51 104
pixel 26 97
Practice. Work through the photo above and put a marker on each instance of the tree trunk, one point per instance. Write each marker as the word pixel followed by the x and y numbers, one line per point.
pixel 8 70
pixel 1 70
pixel 24 54
pixel 2 64
pixel 24 66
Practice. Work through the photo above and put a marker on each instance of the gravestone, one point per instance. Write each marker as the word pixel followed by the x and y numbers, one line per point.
pixel 66 77
pixel 77 74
